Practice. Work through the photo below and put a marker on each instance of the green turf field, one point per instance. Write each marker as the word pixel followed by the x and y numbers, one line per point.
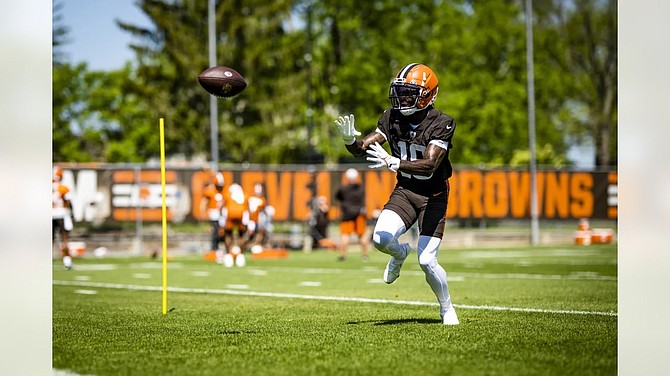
pixel 523 311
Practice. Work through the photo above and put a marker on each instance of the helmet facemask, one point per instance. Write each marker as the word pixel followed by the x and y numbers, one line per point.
pixel 404 97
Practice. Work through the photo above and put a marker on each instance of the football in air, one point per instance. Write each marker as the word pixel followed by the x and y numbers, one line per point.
pixel 222 81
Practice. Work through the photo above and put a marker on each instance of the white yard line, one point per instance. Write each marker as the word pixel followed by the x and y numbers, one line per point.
pixel 459 276
pixel 319 297
pixel 575 276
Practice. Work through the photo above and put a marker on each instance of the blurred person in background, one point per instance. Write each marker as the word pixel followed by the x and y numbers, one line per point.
pixel 61 215
pixel 351 196
pixel 318 225
pixel 234 220
pixel 213 198
pixel 419 136
pixel 260 219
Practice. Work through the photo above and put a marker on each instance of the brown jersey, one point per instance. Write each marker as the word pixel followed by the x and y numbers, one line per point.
pixel 409 141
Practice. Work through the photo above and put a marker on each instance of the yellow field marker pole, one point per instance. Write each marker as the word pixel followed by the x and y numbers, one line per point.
pixel 164 215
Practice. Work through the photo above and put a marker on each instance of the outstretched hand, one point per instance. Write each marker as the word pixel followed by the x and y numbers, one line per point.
pixel 345 124
pixel 381 158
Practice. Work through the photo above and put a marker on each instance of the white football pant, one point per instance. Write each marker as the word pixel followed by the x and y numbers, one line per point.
pixel 388 229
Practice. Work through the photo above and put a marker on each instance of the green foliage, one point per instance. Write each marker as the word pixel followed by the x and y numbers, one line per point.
pixel 544 156
pixel 98 118
pixel 586 33
pixel 59 34
pixel 307 62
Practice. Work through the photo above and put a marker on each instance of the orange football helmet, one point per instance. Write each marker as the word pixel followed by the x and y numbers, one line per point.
pixel 414 88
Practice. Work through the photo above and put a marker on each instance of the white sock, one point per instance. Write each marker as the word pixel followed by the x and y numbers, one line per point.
pixel 240 260
pixel 228 260
pixel 436 276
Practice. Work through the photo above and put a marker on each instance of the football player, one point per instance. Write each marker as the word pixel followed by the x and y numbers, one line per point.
pixel 61 214
pixel 351 196
pixel 213 198
pixel 260 219
pixel 419 137
pixel 234 220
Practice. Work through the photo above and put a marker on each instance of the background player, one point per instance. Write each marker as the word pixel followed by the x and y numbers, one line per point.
pixel 61 214
pixel 234 220
pixel 213 195
pixel 351 196
pixel 259 219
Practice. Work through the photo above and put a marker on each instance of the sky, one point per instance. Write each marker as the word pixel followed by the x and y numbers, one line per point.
pixel 93 34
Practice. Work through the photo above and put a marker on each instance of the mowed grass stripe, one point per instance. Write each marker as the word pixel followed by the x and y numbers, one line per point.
pixel 319 297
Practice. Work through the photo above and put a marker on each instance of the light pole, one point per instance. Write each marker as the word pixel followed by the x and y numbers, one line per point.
pixel 213 105
pixel 534 222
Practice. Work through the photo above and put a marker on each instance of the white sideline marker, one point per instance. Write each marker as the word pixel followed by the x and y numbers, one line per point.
pixel 318 297
pixel 86 292
pixel 310 283
pixel 233 286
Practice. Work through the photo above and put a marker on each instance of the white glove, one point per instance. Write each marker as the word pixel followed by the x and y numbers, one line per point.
pixel 345 125
pixel 381 158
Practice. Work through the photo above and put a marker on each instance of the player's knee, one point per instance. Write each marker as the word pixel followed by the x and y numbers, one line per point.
pixel 427 260
pixel 381 239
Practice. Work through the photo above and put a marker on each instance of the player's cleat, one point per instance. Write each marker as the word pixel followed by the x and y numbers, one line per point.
pixel 67 262
pixel 240 260
pixel 449 316
pixel 392 271
pixel 364 258
pixel 228 260
pixel 341 258
pixel 219 256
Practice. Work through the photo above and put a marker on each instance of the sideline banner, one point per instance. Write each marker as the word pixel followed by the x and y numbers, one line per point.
pixel 120 194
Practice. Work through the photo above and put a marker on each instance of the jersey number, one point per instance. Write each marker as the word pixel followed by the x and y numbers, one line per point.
pixel 415 152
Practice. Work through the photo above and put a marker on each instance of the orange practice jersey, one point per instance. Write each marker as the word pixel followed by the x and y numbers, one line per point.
pixel 215 200
pixel 256 206
pixel 236 204
pixel 214 197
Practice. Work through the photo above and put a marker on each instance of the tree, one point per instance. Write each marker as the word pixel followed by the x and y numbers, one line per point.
pixel 588 31
pixel 307 62
pixel 251 39
pixel 97 118
pixel 68 98
pixel 59 35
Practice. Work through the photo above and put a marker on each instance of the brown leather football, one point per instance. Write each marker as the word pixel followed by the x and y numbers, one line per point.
pixel 222 81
